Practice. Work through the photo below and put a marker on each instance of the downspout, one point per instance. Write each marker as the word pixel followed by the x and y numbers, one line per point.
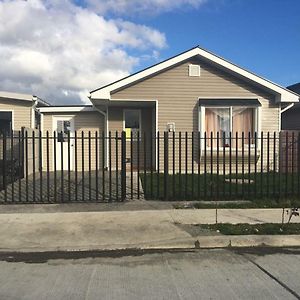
pixel 105 132
pixel 33 110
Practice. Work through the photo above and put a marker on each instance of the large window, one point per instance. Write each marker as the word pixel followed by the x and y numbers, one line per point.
pixel 132 122
pixel 234 119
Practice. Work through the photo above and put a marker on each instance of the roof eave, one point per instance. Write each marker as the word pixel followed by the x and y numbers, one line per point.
pixel 282 94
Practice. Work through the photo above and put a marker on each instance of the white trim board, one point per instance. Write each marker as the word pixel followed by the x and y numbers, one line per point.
pixel 282 94
pixel 66 109
pixel 17 96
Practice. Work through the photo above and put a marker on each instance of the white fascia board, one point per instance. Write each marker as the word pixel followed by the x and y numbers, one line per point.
pixel 283 94
pixel 16 96
pixel 66 109
pixel 105 92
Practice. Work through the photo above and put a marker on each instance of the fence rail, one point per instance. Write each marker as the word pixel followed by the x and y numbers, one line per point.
pixel 38 167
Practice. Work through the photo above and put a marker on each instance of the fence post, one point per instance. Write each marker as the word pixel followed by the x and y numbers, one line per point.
pixel 4 166
pixel 166 164
pixel 123 166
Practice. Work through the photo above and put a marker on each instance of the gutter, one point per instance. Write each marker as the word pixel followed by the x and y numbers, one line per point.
pixel 287 108
pixel 33 110
pixel 105 131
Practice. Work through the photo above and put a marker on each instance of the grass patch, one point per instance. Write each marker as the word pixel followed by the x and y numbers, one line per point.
pixel 185 187
pixel 256 229
pixel 257 203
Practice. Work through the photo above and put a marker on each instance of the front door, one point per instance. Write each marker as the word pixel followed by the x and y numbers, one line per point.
pixel 132 128
pixel 64 126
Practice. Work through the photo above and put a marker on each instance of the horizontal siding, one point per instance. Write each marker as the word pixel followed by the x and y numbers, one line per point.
pixel 22 112
pixel 177 95
pixel 84 122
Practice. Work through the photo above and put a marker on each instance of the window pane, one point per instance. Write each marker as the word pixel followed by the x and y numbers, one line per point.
pixel 5 122
pixel 217 120
pixel 132 119
pixel 132 123
pixel 63 128
pixel 243 121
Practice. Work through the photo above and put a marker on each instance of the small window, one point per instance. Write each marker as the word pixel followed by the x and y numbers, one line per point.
pixel 63 130
pixel 5 122
pixel 194 70
pixel 132 122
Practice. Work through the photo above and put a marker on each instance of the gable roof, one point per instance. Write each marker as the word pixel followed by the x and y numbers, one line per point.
pixel 23 97
pixel 295 88
pixel 282 94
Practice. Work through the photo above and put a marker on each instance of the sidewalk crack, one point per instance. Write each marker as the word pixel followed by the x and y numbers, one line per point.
pixel 287 288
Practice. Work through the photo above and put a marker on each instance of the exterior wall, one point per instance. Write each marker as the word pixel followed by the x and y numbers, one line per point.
pixel 115 123
pixel 22 112
pixel 290 119
pixel 177 95
pixel 84 122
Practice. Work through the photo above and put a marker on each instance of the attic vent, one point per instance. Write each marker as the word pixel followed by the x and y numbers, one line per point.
pixel 194 70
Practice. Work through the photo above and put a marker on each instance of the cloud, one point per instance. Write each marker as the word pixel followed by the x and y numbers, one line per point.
pixel 125 7
pixel 59 50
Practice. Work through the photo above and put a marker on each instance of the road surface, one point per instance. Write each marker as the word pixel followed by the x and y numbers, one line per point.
pixel 195 274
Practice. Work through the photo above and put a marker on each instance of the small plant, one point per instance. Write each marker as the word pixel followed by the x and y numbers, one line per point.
pixel 292 212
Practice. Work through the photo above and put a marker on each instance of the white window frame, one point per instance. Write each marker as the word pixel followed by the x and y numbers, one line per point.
pixel 201 121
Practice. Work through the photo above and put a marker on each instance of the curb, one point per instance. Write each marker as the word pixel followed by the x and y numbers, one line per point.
pixel 198 242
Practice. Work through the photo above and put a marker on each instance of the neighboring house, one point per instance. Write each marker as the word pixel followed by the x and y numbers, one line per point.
pixel 291 117
pixel 195 91
pixel 19 111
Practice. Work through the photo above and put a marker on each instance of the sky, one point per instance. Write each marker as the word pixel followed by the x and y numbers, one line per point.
pixel 60 50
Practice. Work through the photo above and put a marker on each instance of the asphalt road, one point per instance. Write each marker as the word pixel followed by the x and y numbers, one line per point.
pixel 196 274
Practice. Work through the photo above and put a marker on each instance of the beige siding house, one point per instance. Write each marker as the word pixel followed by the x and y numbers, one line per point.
pixel 195 91
pixel 18 111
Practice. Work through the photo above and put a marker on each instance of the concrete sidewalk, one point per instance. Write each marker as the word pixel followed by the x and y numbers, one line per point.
pixel 130 229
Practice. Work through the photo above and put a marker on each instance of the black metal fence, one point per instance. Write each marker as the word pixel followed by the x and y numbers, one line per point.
pixel 94 167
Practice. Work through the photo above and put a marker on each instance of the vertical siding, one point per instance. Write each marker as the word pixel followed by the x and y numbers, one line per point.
pixel 84 122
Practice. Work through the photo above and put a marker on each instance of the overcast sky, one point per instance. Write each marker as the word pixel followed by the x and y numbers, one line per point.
pixel 62 49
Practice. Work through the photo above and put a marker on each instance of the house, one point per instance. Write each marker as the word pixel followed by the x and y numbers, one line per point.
pixel 19 111
pixel 195 91
pixel 291 117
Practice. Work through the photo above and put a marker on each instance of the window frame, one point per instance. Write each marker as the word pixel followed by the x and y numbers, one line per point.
pixel 201 122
